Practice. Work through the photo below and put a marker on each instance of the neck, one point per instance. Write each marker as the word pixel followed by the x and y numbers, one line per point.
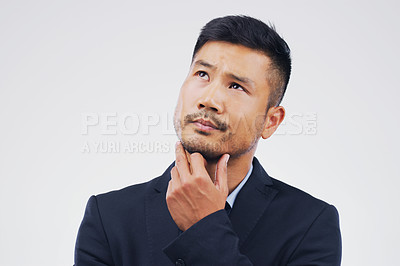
pixel 237 169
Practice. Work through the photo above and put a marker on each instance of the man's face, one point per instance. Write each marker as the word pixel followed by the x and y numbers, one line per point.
pixel 222 103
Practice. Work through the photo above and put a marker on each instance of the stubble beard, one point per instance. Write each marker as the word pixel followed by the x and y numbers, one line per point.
pixel 213 150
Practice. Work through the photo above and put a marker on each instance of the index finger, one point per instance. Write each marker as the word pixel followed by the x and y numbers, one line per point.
pixel 181 161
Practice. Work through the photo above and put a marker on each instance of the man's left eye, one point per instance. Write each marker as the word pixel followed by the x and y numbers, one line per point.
pixel 236 86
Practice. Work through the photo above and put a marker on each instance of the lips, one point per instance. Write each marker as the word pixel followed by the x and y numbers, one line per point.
pixel 205 124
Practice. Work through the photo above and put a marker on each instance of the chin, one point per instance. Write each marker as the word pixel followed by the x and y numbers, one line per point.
pixel 209 150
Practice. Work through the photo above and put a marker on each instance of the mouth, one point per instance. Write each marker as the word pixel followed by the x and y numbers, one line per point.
pixel 204 125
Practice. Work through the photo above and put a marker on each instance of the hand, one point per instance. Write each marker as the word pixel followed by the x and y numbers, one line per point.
pixel 191 194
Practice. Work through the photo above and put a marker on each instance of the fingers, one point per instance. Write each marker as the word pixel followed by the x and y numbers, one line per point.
pixel 174 182
pixel 221 174
pixel 175 177
pixel 198 164
pixel 194 165
pixel 188 160
pixel 181 161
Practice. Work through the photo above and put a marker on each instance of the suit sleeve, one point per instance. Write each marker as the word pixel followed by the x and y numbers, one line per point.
pixel 92 248
pixel 211 241
pixel 321 245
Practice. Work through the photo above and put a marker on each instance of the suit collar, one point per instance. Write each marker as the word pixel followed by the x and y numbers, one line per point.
pixel 160 226
pixel 162 182
pixel 260 174
pixel 251 202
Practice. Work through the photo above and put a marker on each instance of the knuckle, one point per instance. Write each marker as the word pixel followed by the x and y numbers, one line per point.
pixel 169 188
pixel 172 194
pixel 186 186
pixel 168 197
pixel 173 171
pixel 178 159
pixel 170 200
pixel 198 179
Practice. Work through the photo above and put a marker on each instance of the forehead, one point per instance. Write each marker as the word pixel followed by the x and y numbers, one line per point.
pixel 235 58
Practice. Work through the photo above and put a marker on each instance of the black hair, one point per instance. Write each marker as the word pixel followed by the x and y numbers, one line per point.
pixel 254 34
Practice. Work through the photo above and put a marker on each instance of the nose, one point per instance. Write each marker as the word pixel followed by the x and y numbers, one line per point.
pixel 211 99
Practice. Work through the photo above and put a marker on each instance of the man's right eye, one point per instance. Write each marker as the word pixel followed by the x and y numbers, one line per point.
pixel 202 75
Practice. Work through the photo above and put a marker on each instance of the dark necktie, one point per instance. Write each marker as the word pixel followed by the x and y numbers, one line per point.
pixel 228 208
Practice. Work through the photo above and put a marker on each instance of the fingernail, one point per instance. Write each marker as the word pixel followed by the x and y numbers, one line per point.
pixel 227 159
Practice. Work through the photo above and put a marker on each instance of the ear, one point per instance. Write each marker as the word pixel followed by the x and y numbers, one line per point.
pixel 275 116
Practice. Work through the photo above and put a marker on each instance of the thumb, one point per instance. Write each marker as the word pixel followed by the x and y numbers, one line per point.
pixel 221 174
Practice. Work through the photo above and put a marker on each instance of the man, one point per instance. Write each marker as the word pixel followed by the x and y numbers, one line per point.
pixel 216 205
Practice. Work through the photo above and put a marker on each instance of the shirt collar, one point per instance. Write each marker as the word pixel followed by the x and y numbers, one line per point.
pixel 232 197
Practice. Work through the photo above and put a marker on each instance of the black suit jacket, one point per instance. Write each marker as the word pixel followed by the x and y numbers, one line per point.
pixel 271 224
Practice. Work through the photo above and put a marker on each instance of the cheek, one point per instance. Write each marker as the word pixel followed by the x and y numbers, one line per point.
pixel 244 119
pixel 189 92
pixel 259 123
pixel 188 98
pixel 178 113
pixel 193 87
pixel 183 105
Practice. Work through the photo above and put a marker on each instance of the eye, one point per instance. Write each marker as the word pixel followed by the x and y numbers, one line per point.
pixel 236 87
pixel 202 75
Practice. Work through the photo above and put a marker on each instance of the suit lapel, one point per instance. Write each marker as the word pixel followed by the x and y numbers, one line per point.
pixel 160 226
pixel 251 202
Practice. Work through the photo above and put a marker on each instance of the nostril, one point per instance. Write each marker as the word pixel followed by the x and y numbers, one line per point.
pixel 201 106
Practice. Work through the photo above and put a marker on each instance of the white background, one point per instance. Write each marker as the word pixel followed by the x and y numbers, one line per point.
pixel 62 59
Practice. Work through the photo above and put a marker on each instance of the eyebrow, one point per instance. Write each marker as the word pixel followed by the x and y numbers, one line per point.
pixel 204 64
pixel 244 80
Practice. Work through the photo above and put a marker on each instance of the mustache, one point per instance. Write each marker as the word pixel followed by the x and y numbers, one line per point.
pixel 221 125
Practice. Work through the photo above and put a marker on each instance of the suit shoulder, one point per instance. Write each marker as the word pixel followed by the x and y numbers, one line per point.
pixel 141 188
pixel 131 198
pixel 297 198
pixel 129 192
